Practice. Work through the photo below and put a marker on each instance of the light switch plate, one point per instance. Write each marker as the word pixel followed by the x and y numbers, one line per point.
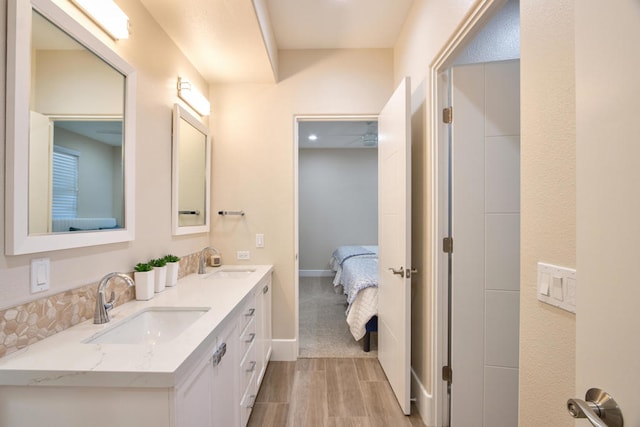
pixel 562 281
pixel 40 275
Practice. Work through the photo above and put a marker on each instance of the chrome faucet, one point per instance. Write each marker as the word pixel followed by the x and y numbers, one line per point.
pixel 101 315
pixel 202 264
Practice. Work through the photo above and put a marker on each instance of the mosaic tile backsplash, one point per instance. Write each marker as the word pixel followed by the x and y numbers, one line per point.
pixel 33 321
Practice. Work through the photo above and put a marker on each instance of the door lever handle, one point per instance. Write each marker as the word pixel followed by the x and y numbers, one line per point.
pixel 399 272
pixel 598 407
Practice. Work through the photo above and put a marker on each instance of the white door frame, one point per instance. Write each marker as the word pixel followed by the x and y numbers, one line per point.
pixel 296 200
pixel 437 143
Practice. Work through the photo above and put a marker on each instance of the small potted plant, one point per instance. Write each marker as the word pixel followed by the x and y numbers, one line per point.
pixel 160 267
pixel 173 266
pixel 144 278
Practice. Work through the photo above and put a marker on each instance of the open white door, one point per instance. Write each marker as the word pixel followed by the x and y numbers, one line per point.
pixel 608 202
pixel 394 240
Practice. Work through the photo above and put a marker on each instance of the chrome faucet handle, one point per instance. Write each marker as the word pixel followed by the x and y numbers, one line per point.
pixel 101 313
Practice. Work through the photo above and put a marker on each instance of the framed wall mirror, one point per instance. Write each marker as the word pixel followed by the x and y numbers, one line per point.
pixel 191 174
pixel 70 134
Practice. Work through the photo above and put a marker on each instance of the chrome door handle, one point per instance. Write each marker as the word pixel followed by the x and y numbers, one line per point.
pixel 598 407
pixel 398 272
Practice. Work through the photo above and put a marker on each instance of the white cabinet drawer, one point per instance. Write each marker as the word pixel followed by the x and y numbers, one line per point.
pixel 248 367
pixel 247 401
pixel 247 338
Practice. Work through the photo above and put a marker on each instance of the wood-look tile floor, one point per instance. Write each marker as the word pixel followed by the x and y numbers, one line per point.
pixel 330 392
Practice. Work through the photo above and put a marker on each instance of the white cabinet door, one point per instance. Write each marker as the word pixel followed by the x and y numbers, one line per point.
pixel 224 375
pixel 194 397
pixel 209 395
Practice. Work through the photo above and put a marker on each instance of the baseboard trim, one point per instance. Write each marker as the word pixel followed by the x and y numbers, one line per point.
pixel 284 350
pixel 316 273
pixel 424 400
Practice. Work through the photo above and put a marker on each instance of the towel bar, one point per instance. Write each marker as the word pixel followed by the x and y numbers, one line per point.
pixel 223 213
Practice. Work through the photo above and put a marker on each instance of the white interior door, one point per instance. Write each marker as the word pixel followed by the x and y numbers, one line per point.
pixel 394 240
pixel 608 201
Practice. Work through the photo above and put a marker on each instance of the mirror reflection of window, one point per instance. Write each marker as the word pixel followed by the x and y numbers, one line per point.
pixel 64 194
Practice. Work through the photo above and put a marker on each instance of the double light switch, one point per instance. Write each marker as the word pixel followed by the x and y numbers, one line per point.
pixel 557 286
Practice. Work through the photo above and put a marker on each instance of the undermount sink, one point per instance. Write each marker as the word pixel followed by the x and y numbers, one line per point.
pixel 155 325
pixel 230 272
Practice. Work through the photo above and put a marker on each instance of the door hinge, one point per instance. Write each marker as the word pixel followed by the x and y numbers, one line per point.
pixel 447 245
pixel 447 374
pixel 447 115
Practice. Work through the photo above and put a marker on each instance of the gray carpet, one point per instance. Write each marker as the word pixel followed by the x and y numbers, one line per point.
pixel 323 324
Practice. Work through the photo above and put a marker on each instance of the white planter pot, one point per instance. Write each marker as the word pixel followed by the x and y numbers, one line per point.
pixel 161 278
pixel 172 273
pixel 145 284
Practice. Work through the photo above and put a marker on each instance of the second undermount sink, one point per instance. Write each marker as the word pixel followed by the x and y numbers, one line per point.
pixel 230 272
pixel 155 325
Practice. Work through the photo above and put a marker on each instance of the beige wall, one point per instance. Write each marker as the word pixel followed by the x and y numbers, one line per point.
pixel 547 334
pixel 158 63
pixel 72 81
pixel 547 349
pixel 253 153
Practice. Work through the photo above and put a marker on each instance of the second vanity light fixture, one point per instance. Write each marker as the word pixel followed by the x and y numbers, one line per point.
pixel 107 15
pixel 189 94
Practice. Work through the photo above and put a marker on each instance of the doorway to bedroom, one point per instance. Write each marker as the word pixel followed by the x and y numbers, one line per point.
pixel 337 192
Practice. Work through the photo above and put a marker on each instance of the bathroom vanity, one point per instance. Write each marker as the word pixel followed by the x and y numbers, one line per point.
pixel 194 355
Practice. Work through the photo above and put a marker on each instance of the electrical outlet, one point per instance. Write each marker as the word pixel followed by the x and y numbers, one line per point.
pixel 243 255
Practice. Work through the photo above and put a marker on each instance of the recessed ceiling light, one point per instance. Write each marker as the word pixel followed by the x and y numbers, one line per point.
pixel 313 137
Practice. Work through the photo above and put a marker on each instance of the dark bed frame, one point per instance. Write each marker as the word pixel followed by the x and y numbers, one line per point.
pixel 371 326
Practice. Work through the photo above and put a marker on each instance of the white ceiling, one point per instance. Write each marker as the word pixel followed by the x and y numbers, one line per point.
pixel 344 24
pixel 225 39
pixel 338 134
pixel 221 38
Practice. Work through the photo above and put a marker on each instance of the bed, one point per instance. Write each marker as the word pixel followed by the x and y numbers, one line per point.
pixel 356 276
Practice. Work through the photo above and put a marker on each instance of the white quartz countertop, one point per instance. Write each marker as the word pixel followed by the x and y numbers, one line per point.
pixel 65 360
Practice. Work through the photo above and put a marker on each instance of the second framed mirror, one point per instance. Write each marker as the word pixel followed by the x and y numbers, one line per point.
pixel 191 174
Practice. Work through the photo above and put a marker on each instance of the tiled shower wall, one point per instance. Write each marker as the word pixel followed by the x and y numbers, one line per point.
pixel 28 323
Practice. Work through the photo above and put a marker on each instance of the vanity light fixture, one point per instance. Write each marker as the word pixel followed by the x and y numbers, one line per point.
pixel 107 15
pixel 191 96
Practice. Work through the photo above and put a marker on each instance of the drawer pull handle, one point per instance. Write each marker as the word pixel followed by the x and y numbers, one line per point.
pixel 219 354
pixel 252 336
pixel 265 289
pixel 253 366
pixel 251 312
pixel 252 401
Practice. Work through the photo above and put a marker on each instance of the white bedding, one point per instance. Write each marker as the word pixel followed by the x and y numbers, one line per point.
pixel 358 283
pixel 363 308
